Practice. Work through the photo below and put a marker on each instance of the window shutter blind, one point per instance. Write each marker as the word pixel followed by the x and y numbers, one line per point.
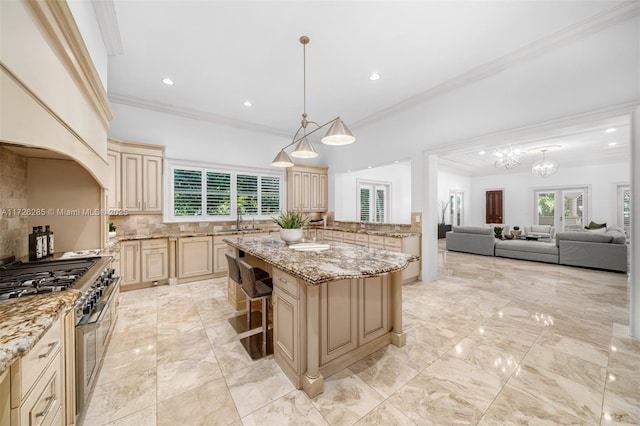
pixel 626 208
pixel 365 204
pixel 187 192
pixel 380 205
pixel 247 198
pixel 218 194
pixel 269 195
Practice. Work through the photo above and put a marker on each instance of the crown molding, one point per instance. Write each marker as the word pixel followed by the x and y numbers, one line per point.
pixel 105 11
pixel 585 28
pixel 195 114
pixel 58 23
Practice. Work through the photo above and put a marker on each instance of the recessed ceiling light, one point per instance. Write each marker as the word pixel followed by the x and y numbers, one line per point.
pixel 368 167
pixel 167 81
pixel 247 103
pixel 482 152
pixel 396 161
pixel 610 130
pixel 612 143
pixel 374 76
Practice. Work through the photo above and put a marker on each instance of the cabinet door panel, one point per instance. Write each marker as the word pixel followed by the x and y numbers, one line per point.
pixel 219 260
pixel 132 182
pixel 286 323
pixel 374 308
pixel 152 180
pixel 155 264
pixel 338 318
pixel 195 257
pixel 115 198
pixel 130 262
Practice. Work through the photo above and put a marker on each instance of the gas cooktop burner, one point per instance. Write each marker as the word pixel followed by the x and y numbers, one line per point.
pixel 24 279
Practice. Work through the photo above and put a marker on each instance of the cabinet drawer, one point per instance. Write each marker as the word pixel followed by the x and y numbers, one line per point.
pixel 376 239
pixel 349 236
pixel 393 244
pixel 154 244
pixel 285 282
pixel 362 238
pixel 43 403
pixel 36 360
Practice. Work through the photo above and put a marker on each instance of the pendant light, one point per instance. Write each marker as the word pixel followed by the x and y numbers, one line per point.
pixel 544 167
pixel 338 133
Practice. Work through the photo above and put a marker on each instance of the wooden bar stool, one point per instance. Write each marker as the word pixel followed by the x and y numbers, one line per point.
pixel 256 289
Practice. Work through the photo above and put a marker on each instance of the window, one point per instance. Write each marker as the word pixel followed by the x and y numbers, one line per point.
pixel 373 202
pixel 206 194
pixel 624 207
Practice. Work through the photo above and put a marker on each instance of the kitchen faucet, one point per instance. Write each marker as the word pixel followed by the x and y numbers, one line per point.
pixel 238 220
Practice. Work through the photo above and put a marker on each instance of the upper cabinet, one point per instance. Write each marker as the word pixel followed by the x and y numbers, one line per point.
pixel 307 189
pixel 136 185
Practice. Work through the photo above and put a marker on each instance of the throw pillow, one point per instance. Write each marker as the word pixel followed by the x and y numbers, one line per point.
pixel 541 228
pixel 594 225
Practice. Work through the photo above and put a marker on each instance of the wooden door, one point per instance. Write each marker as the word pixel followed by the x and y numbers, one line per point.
pixel 493 207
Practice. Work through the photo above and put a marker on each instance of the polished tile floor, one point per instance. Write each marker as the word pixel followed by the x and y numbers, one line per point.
pixel 493 341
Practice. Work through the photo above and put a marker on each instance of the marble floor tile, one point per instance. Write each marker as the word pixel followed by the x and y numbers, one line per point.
pixel 515 407
pixel 346 398
pixel 493 340
pixel 385 414
pixel 113 400
pixel 209 404
pixel 179 376
pixel 255 386
pixel 144 417
pixel 565 394
pixel 293 409
pixel 431 401
pixel 383 372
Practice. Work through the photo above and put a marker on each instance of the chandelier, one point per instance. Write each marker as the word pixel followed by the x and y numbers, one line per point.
pixel 507 157
pixel 338 133
pixel 544 167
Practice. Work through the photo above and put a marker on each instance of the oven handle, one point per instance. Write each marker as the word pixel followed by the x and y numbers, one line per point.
pixel 114 287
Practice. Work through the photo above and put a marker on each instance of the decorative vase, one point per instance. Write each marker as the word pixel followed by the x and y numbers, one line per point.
pixel 291 235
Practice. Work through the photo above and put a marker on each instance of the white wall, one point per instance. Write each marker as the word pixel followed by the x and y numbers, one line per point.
pixel 518 190
pixel 448 181
pixel 397 175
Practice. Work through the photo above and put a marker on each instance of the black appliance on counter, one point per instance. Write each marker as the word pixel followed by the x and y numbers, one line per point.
pixel 95 311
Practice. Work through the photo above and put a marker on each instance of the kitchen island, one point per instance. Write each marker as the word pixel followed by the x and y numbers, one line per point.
pixel 331 307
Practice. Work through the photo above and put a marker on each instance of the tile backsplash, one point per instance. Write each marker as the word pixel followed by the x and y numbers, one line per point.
pixel 13 197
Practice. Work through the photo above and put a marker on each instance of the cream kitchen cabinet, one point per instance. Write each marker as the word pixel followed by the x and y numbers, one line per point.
pixel 5 398
pixel 219 260
pixel 307 189
pixel 195 257
pixel 141 183
pixel 135 173
pixel 130 263
pixel 144 262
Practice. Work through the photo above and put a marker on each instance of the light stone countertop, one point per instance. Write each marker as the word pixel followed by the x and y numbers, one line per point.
pixel 341 261
pixel 23 321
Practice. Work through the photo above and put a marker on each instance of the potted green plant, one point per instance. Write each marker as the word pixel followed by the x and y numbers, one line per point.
pixel 112 230
pixel 291 224
pixel 498 231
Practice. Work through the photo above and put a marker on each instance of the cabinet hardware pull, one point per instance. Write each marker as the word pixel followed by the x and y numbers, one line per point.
pixel 52 346
pixel 52 400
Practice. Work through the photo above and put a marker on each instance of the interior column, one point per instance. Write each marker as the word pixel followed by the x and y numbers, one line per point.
pixel 429 218
pixel 634 277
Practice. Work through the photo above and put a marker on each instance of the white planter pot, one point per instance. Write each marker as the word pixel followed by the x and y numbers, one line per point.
pixel 291 235
pixel 112 234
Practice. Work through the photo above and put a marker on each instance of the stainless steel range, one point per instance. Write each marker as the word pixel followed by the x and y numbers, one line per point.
pixel 95 311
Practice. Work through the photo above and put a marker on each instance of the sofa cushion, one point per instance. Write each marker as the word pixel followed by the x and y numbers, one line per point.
pixel 596 230
pixel 617 237
pixel 583 236
pixel 472 230
pixel 544 229
pixel 528 246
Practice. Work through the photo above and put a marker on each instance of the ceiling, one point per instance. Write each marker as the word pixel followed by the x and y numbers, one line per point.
pixel 223 53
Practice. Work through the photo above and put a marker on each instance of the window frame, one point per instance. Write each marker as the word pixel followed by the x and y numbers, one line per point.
pixel 168 190
pixel 374 185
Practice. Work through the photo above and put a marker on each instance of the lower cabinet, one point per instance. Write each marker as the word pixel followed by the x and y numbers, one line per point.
pixel 195 256
pixel 338 319
pixel 219 260
pixel 144 262
pixel 37 386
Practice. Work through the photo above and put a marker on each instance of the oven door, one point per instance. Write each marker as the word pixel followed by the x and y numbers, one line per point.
pixel 91 343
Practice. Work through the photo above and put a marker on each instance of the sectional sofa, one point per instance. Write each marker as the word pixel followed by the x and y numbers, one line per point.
pixel 606 249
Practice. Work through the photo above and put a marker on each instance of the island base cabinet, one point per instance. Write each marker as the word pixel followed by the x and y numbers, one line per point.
pixel 5 404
